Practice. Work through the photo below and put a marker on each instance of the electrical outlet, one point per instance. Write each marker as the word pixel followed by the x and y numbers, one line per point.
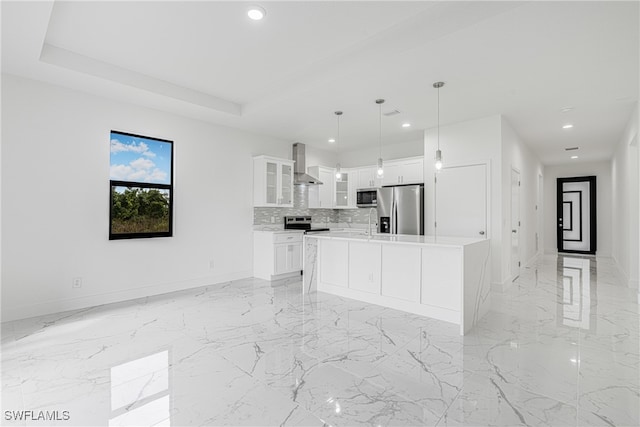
pixel 76 282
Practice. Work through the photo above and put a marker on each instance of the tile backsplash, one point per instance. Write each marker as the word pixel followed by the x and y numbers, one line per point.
pixel 263 216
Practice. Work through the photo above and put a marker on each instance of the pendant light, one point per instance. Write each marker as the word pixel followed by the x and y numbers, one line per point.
pixel 380 165
pixel 338 171
pixel 438 164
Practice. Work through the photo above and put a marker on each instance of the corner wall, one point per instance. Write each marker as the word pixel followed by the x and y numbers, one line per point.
pixel 474 141
pixel 517 155
pixel 625 193
pixel 55 202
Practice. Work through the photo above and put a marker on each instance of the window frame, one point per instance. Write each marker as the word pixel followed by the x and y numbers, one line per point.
pixel 142 185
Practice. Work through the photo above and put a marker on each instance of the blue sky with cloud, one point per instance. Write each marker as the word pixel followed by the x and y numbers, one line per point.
pixel 139 159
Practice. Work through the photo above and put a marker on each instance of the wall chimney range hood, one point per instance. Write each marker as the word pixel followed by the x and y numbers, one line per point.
pixel 300 176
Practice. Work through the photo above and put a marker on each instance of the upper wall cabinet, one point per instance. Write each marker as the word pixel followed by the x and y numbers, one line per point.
pixel 333 193
pixel 272 182
pixel 345 189
pixel 368 177
pixel 404 171
pixel 322 196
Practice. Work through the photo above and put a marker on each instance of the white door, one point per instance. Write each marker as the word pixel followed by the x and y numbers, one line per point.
pixel 461 201
pixel 515 223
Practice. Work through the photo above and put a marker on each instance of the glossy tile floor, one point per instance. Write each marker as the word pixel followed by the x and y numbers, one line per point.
pixel 560 347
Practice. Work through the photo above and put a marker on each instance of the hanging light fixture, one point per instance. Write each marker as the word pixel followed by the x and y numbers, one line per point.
pixel 380 165
pixel 338 171
pixel 438 164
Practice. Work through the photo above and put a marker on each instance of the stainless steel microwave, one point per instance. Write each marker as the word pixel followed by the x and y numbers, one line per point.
pixel 367 197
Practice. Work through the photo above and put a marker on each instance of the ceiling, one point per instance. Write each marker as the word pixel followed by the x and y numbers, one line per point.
pixel 285 76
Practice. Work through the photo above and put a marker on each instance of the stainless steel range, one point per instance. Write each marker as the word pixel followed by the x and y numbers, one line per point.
pixel 301 223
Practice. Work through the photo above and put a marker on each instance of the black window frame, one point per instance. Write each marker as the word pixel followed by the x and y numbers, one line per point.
pixel 141 185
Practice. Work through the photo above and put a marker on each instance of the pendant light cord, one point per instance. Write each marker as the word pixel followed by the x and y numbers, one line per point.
pixel 438 118
pixel 380 128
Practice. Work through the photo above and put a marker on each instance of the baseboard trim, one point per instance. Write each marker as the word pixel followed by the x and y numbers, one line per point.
pixel 501 286
pixel 57 306
pixel 532 260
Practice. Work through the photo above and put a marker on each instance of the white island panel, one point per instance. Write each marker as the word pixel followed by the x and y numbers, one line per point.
pixel 334 262
pixel 401 272
pixel 477 285
pixel 442 277
pixel 364 267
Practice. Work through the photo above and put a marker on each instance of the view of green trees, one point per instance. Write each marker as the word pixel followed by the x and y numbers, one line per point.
pixel 139 210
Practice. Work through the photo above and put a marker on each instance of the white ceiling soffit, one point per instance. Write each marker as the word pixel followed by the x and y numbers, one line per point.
pixel 286 75
pixel 83 64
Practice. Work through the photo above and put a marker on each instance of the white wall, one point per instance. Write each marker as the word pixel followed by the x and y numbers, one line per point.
pixel 625 193
pixel 517 155
pixel 602 171
pixel 369 156
pixel 318 157
pixel 475 141
pixel 55 193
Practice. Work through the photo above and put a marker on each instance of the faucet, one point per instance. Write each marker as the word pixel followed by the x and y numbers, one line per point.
pixel 369 229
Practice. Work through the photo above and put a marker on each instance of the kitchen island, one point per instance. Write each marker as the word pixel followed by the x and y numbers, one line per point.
pixel 446 278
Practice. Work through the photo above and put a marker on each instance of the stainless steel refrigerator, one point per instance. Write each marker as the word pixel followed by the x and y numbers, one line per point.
pixel 401 209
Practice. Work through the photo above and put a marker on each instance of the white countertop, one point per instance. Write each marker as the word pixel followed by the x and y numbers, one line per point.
pixel 275 230
pixel 397 238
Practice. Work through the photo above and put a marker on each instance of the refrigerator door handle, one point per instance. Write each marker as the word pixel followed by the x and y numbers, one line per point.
pixel 394 216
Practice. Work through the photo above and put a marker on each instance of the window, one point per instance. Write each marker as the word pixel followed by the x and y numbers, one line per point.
pixel 140 187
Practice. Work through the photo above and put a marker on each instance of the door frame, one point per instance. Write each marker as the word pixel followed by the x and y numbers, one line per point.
pixel 593 235
pixel 514 274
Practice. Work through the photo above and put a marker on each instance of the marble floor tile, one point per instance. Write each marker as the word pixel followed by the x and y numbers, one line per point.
pixel 560 346
pixel 484 401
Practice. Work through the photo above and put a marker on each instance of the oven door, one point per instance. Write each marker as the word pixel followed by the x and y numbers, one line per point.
pixel 367 198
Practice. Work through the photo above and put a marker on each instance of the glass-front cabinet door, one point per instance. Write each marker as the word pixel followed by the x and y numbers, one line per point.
pixel 286 184
pixel 342 191
pixel 271 183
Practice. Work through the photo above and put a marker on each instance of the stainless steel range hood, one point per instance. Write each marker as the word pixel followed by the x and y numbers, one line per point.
pixel 300 177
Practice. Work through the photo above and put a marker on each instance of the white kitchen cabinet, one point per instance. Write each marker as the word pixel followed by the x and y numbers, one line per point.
pixel 401 267
pixel 368 177
pixel 345 190
pixel 277 254
pixel 404 171
pixel 272 182
pixel 288 257
pixel 365 267
pixel 322 196
pixel 334 265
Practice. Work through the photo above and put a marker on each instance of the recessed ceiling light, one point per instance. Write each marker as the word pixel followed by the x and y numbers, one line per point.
pixel 566 109
pixel 406 125
pixel 574 157
pixel 332 140
pixel 567 126
pixel 256 13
